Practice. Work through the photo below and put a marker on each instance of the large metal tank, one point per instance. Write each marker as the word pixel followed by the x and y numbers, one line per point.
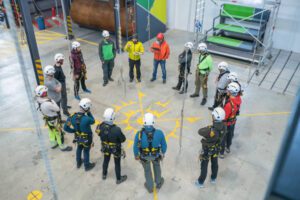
pixel 99 14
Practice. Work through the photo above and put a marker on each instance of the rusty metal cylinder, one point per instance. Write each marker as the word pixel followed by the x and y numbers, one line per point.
pixel 99 15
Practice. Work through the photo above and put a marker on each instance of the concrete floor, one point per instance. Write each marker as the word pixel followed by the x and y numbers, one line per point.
pixel 243 174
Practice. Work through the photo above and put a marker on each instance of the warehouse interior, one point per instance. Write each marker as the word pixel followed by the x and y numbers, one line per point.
pixel 259 39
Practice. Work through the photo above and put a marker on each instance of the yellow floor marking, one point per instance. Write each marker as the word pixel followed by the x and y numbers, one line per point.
pixel 87 41
pixel 265 114
pixel 35 195
pixel 163 104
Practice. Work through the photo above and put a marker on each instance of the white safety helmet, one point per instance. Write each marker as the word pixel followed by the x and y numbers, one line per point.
pixel 49 70
pixel 223 66
pixel 41 91
pixel 105 34
pixel 59 57
pixel 148 119
pixel 202 47
pixel 232 76
pixel 75 45
pixel 218 114
pixel 233 88
pixel 109 115
pixel 189 45
pixel 85 104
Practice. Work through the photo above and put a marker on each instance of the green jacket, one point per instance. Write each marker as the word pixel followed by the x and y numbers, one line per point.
pixel 205 64
pixel 107 50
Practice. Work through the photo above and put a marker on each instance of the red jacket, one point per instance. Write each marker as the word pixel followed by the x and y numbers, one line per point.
pixel 77 61
pixel 161 51
pixel 231 108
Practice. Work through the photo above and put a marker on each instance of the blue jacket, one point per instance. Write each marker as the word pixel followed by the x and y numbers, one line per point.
pixel 159 140
pixel 85 124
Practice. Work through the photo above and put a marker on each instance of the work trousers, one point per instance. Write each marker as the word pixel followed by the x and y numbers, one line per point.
pixel 77 82
pixel 219 99
pixel 117 165
pixel 214 168
pixel 163 69
pixel 148 172
pixel 201 82
pixel 64 98
pixel 86 155
pixel 181 79
pixel 137 65
pixel 227 140
pixel 107 68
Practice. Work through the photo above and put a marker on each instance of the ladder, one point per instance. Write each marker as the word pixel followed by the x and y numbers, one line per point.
pixel 198 21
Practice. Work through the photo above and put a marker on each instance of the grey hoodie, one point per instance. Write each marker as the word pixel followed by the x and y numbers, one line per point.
pixel 48 107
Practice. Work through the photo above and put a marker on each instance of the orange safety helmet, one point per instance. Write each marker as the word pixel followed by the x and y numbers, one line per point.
pixel 160 36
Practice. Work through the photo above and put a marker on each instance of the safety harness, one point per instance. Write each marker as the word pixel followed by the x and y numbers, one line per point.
pixel 51 122
pixel 108 147
pixel 233 114
pixel 80 137
pixel 150 150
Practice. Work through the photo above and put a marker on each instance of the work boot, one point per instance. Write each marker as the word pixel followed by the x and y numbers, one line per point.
pixel 87 91
pixel 194 95
pixel 199 185
pixel 211 108
pixel 104 176
pixel 152 79
pixel 78 165
pixel 110 79
pixel 149 190
pixel 104 84
pixel 203 102
pixel 123 178
pixel 162 180
pixel 175 88
pixel 131 80
pixel 139 80
pixel 164 81
pixel 66 112
pixel 65 148
pixel 89 167
pixel 69 107
pixel 181 92
pixel 77 97
pixel 227 150
pixel 53 144
pixel 213 181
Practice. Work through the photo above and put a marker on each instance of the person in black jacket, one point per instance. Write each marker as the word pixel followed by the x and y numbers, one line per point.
pixel 211 142
pixel 60 76
pixel 184 60
pixel 111 137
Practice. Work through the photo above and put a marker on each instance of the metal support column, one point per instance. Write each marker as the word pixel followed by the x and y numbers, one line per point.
pixel 65 5
pixel 118 25
pixel 33 48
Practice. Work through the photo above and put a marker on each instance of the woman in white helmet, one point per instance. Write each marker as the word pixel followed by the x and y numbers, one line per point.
pixel 60 76
pixel 203 69
pixel 107 54
pixel 53 85
pixel 111 137
pixel 222 82
pixel 80 124
pixel 79 69
pixel 232 108
pixel 150 147
pixel 184 59
pixel 211 141
pixel 50 111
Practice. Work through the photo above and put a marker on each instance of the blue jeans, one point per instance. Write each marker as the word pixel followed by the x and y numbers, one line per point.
pixel 86 155
pixel 163 69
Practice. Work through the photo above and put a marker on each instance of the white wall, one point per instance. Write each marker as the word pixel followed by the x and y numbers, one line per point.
pixel 181 15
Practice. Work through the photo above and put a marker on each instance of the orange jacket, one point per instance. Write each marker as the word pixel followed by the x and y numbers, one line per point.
pixel 161 51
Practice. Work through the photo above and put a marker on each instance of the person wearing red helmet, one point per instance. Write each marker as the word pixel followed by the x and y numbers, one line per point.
pixel 161 51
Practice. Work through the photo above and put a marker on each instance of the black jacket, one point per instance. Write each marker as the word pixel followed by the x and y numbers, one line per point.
pixel 59 74
pixel 212 134
pixel 185 60
pixel 110 133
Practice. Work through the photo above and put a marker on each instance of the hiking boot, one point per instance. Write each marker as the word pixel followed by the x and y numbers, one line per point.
pixel 203 102
pixel 69 107
pixel 181 92
pixel 78 165
pixel 104 176
pixel 162 180
pixel 53 144
pixel 175 88
pixel 110 79
pixel 199 185
pixel 194 95
pixel 227 150
pixel 87 91
pixel 66 148
pixel 149 190
pixel 104 84
pixel 152 79
pixel 211 108
pixel 123 178
pixel 89 167
pixel 164 81
pixel 77 97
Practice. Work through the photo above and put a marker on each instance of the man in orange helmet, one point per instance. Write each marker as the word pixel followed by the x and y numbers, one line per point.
pixel 161 51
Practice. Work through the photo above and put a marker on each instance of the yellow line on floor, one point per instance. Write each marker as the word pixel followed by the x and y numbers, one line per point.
pixel 265 114
pixel 87 41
